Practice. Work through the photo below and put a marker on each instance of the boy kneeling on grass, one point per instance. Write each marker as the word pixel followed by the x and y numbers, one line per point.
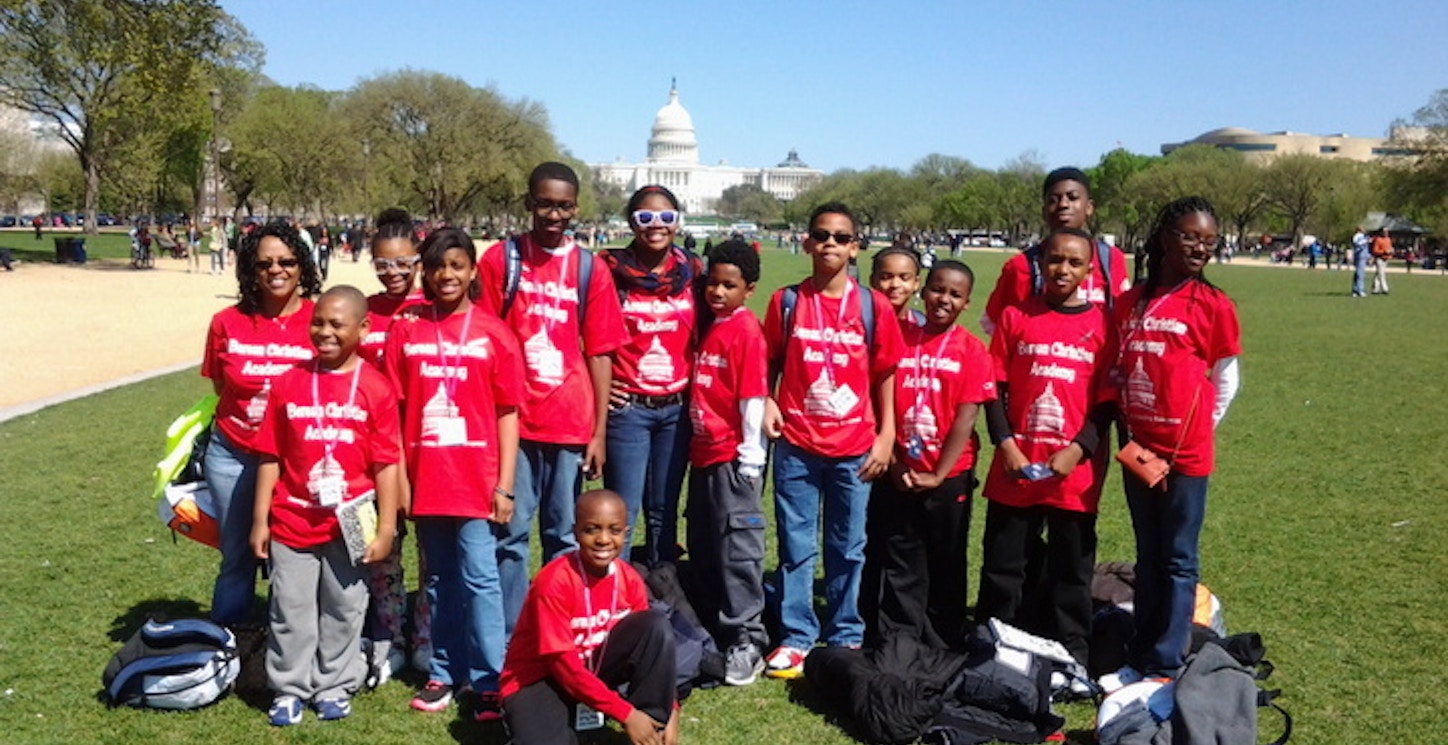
pixel 329 437
pixel 586 630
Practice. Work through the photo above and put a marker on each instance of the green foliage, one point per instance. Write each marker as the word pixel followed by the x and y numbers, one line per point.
pixel 750 202
pixel 1418 187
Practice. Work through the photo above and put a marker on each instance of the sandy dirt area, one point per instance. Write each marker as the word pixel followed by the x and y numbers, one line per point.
pixel 69 328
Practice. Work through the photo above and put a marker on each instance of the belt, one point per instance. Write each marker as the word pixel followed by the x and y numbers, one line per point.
pixel 656 402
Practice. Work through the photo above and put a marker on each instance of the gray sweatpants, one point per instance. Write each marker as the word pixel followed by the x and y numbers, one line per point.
pixel 318 605
pixel 726 544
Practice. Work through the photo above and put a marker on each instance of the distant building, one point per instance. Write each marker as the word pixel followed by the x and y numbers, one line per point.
pixel 24 140
pixel 1259 147
pixel 673 161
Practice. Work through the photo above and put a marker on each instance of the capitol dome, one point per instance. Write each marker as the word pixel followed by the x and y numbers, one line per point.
pixel 672 139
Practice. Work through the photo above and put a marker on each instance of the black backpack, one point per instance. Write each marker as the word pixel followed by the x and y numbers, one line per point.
pixel 183 664
pixel 513 271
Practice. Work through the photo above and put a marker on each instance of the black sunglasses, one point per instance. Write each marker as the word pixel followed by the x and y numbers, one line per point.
pixel 820 235
pixel 262 265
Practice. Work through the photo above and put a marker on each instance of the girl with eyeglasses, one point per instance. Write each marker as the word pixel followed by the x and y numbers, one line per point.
pixel 648 428
pixel 396 261
pixel 247 345
pixel 1177 374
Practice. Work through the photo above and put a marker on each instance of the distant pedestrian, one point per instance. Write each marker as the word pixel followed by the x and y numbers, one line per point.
pixel 37 222
pixel 1382 250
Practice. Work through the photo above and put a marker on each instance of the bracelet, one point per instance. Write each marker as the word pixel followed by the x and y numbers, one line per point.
pixel 500 491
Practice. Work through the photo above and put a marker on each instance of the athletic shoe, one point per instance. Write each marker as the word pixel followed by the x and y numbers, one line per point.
pixel 285 711
pixel 743 664
pixel 333 708
pixel 434 697
pixel 786 663
pixel 489 708
pixel 1113 682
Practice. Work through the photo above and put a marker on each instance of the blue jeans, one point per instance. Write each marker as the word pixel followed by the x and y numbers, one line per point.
pixel 466 599
pixel 804 486
pixel 648 451
pixel 231 477
pixel 547 482
pixel 1168 565
pixel 1359 274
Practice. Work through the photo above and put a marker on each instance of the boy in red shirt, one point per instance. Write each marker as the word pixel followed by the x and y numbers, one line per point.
pixel 1066 203
pixel 727 452
pixel 565 405
pixel 586 630
pixel 329 437
pixel 834 417
pixel 920 515
pixel 1052 356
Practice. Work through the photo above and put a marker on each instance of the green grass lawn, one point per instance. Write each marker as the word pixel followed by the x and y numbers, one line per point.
pixel 112 243
pixel 1324 533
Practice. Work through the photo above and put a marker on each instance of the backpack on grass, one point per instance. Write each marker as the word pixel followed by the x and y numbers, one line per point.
pixel 183 664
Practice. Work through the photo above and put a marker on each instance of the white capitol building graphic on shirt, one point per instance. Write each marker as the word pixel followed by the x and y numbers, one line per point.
pixel 256 407
pixel 817 398
pixel 920 421
pixel 544 360
pixel 1046 413
pixel 438 409
pixel 656 366
pixel 1140 393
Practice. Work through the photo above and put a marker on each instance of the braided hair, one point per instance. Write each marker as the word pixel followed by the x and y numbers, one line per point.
pixel 249 286
pixel 1155 251
pixel 394 223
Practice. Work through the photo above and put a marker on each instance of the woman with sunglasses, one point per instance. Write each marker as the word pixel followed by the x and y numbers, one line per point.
pixel 265 334
pixel 648 427
pixel 395 259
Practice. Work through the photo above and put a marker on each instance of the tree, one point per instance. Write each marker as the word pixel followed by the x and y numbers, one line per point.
pixel 446 146
pixel 1117 208
pixel 750 202
pixel 88 67
pixel 1416 184
pixel 1295 186
pixel 289 144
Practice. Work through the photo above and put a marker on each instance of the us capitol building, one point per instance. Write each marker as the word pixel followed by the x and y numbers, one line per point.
pixel 673 161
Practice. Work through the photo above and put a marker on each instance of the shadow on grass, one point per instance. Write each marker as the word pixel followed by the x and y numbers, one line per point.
pixel 251 684
pixel 803 693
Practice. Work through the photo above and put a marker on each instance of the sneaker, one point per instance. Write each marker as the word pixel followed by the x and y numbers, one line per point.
pixel 743 664
pixel 489 708
pixel 434 697
pixel 1113 682
pixel 786 663
pixel 285 711
pixel 333 708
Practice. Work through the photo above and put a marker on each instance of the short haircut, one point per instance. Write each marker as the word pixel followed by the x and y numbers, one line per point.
pixel 552 171
pixel 834 208
pixel 951 265
pixel 1066 173
pixel 1076 232
pixel 737 252
pixel 350 296
pixel 593 496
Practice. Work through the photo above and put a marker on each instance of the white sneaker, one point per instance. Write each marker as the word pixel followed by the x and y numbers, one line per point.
pixel 1113 682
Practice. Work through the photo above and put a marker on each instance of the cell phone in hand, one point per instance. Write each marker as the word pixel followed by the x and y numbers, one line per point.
pixel 1037 472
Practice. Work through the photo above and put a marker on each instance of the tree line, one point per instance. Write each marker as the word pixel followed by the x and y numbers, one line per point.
pixel 143 92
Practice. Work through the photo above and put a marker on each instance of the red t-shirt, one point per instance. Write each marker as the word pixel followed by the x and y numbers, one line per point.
pixel 938 374
pixel 558 403
pixel 381 309
pixel 656 360
pixel 1014 285
pixel 1168 348
pixel 566 617
pixel 732 366
pixel 245 353
pixel 451 393
pixel 826 387
pixel 302 421
pixel 1055 365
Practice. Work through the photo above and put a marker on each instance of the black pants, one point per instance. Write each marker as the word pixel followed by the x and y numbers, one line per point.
pixel 915 576
pixel 639 653
pixel 1043 587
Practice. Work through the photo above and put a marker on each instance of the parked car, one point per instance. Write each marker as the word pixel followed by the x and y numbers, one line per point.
pixel 105 219
pixel 9 221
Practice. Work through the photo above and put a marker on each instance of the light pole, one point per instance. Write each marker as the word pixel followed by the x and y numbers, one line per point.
pixel 366 173
pixel 215 174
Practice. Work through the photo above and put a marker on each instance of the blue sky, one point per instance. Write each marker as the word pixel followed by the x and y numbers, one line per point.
pixel 859 84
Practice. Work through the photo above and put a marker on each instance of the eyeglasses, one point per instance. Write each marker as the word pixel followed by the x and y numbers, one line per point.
pixel 544 206
pixel 262 265
pixel 644 218
pixel 401 264
pixel 820 235
pixel 1189 239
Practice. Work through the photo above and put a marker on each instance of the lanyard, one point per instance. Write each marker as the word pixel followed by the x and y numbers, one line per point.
pixel 839 326
pixel 329 445
pixel 926 385
pixel 588 607
pixel 1141 320
pixel 554 309
pixel 449 366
